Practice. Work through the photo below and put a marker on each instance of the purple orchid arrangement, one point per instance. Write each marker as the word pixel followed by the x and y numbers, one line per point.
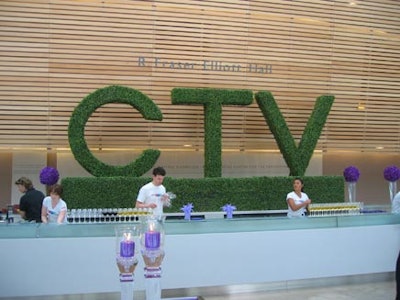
pixel 228 208
pixel 187 210
pixel 391 173
pixel 351 174
pixel 49 176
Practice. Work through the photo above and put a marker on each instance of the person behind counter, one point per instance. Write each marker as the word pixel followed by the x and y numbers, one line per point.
pixel 297 200
pixel 397 277
pixel 396 210
pixel 30 204
pixel 396 204
pixel 153 194
pixel 54 209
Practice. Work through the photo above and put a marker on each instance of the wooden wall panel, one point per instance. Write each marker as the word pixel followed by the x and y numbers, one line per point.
pixel 54 53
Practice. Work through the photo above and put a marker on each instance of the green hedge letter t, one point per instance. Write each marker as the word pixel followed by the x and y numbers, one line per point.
pixel 82 113
pixel 212 101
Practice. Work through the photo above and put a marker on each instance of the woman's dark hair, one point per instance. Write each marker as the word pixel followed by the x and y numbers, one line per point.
pixel 302 182
pixel 56 189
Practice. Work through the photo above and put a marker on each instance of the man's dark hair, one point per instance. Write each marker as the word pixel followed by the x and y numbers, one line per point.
pixel 159 171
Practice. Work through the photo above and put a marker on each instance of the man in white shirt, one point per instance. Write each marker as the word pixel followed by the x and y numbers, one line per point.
pixel 153 194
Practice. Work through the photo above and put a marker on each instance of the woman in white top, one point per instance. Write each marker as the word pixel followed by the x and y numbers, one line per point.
pixel 297 200
pixel 54 209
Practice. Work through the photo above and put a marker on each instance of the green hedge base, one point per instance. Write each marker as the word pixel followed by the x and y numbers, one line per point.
pixel 206 194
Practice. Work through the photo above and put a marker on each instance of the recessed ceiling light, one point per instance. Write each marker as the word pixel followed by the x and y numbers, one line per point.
pixel 361 106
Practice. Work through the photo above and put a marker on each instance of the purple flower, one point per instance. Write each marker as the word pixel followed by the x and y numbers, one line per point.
pixel 49 176
pixel 188 208
pixel 391 173
pixel 228 208
pixel 351 174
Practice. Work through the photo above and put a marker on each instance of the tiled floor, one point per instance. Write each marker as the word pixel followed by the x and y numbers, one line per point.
pixel 365 291
pixel 380 290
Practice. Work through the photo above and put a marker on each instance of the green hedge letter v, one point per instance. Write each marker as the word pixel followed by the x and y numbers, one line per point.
pixel 82 113
pixel 297 158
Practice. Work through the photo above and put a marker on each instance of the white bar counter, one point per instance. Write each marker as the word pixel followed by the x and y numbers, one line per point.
pixel 43 259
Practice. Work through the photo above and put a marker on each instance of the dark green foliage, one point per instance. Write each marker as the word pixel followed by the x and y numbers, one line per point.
pixel 82 113
pixel 101 192
pixel 212 100
pixel 206 194
pixel 296 158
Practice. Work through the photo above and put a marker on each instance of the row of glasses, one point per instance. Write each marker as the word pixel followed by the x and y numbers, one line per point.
pixel 335 209
pixel 106 215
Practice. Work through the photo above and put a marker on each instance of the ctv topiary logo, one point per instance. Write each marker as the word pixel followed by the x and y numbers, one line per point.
pixel 296 157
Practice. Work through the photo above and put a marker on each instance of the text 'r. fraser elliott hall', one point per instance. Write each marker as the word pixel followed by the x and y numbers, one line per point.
pixel 237 101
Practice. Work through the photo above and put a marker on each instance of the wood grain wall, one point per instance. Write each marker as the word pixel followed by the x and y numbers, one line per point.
pixel 54 53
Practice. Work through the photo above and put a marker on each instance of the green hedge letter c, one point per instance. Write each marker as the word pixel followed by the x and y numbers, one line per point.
pixel 82 113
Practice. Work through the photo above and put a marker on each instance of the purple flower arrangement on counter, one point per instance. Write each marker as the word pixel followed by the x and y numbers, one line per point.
pixel 391 173
pixel 187 210
pixel 228 208
pixel 351 174
pixel 49 176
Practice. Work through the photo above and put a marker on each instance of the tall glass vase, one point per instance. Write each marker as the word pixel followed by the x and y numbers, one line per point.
pixel 392 190
pixel 152 240
pixel 351 188
pixel 126 260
